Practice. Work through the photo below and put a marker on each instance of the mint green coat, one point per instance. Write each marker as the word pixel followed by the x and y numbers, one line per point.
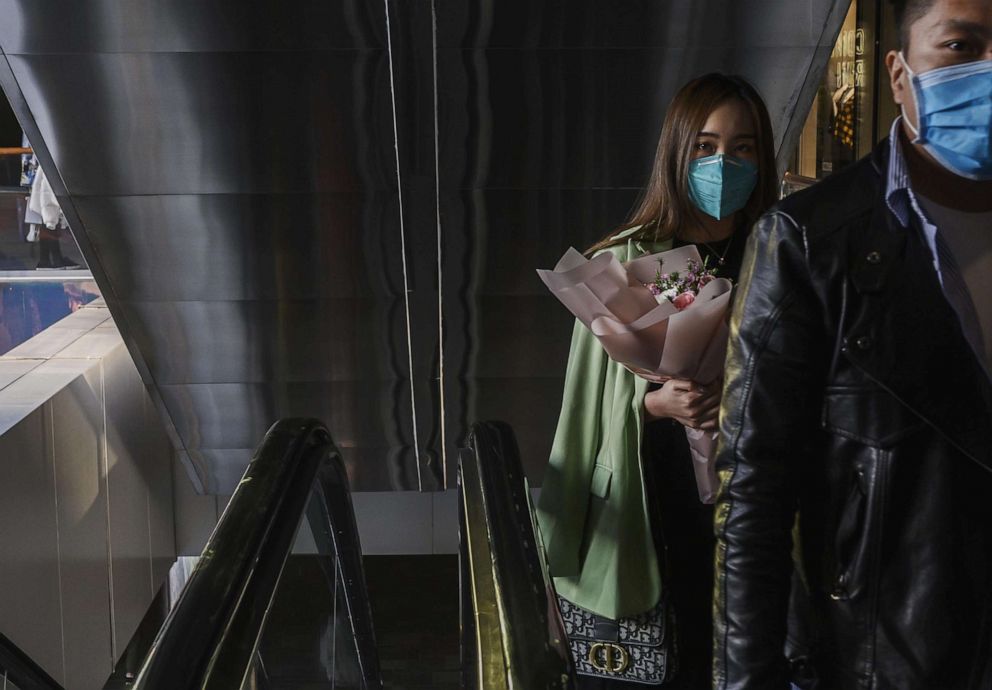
pixel 593 508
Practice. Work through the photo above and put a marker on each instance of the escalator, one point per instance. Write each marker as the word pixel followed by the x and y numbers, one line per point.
pixel 256 613
pixel 277 599
pixel 512 633
pixel 19 672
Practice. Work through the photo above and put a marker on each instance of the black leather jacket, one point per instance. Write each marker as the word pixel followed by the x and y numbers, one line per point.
pixel 856 437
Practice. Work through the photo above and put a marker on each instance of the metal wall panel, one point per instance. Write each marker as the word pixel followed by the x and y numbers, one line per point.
pixel 196 513
pixel 85 500
pixel 31 606
pixel 156 465
pixel 11 370
pixel 80 480
pixel 551 115
pixel 127 495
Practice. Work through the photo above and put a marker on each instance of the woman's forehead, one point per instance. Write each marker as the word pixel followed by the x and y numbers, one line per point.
pixel 732 117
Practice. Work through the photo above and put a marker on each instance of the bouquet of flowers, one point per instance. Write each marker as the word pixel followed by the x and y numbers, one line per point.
pixel 681 288
pixel 661 316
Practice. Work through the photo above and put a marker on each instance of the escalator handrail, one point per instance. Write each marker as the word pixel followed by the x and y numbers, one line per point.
pixel 18 668
pixel 521 641
pixel 211 635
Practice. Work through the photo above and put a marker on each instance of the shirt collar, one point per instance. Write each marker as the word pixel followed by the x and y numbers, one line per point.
pixel 898 190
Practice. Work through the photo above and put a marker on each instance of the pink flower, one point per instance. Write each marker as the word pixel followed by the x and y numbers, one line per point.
pixel 704 279
pixel 653 289
pixel 684 300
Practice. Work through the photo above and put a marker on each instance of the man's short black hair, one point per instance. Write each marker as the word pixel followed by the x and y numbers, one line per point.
pixel 907 12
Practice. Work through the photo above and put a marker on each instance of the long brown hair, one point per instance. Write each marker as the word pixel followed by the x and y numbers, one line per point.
pixel 665 207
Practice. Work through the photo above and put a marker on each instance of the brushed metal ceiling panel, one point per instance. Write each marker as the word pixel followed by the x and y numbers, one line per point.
pixel 139 26
pixel 532 226
pixel 247 246
pixel 212 123
pixel 274 340
pixel 529 24
pixel 584 119
pixel 549 147
pixel 369 468
pixel 232 415
pixel 335 209
pixel 370 425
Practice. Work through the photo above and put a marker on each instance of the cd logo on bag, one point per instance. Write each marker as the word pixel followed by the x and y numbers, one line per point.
pixel 607 657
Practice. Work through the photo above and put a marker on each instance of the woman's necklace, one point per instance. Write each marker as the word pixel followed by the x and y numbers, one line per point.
pixel 721 258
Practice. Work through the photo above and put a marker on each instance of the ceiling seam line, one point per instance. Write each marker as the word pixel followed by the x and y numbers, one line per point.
pixel 440 280
pixel 406 284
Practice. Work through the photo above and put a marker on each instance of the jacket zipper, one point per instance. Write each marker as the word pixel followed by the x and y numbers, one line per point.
pixel 879 504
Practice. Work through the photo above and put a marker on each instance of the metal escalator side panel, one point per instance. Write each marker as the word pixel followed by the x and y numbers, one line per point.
pixel 211 638
pixel 19 670
pixel 531 635
pixel 489 654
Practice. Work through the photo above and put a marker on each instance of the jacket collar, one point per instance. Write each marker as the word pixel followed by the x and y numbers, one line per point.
pixel 907 337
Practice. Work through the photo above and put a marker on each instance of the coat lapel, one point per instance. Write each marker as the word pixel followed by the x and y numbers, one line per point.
pixel 904 334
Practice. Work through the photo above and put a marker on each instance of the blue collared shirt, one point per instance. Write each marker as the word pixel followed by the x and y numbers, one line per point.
pixel 900 197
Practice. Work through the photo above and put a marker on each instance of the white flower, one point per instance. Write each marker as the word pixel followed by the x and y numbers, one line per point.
pixel 668 295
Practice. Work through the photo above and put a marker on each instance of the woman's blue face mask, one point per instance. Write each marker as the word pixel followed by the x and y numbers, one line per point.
pixel 954 116
pixel 720 185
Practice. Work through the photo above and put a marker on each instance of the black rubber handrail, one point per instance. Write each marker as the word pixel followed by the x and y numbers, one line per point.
pixel 512 632
pixel 18 668
pixel 210 638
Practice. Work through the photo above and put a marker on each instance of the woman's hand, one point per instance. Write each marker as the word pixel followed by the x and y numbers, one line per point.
pixel 687 402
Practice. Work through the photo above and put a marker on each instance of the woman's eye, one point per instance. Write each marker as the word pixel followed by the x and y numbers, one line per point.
pixel 703 146
pixel 744 148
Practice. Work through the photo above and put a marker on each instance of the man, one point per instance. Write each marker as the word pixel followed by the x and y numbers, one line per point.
pixel 856 452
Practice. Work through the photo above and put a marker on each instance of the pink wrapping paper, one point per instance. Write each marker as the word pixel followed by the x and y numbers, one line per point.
pixel 653 340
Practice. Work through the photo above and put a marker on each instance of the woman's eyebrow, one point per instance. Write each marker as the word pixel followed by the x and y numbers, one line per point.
pixel 717 136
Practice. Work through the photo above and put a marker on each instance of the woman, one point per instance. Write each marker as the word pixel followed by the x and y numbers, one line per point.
pixel 619 509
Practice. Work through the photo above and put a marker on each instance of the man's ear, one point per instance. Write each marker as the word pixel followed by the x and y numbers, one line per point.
pixel 897 70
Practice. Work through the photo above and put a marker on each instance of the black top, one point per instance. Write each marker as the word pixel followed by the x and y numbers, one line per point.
pixel 682 524
pixel 731 250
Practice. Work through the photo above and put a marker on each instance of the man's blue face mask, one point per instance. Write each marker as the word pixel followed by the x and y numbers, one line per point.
pixel 720 185
pixel 954 116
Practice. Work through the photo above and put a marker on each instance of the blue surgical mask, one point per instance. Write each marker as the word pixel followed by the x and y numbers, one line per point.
pixel 954 116
pixel 721 185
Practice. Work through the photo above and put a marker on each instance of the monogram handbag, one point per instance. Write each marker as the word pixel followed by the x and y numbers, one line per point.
pixel 637 649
